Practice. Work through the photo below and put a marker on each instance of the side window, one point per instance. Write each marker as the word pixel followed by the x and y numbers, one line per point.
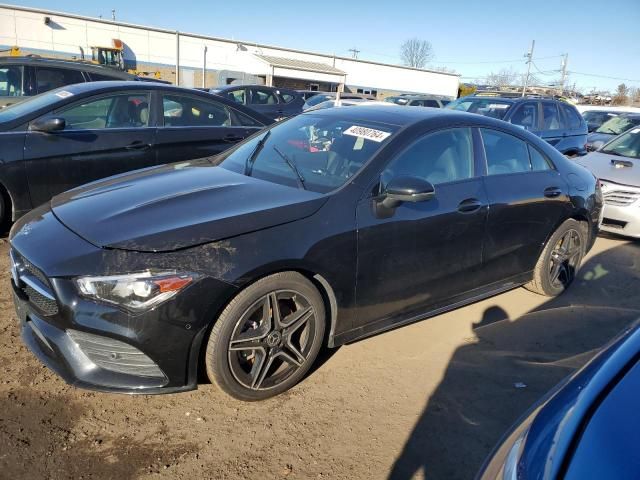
pixel 237 96
pixel 287 97
pixel 539 162
pixel 431 103
pixel 11 81
pixel 416 103
pixel 440 157
pixel 526 116
pixel 244 120
pixel 183 111
pixel 49 78
pixel 572 117
pixel 505 153
pixel 550 116
pixel 115 111
pixel 262 97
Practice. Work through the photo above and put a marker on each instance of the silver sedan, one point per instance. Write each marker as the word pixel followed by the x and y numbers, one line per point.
pixel 617 165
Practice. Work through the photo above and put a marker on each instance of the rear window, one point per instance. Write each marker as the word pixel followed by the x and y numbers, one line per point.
pixel 571 115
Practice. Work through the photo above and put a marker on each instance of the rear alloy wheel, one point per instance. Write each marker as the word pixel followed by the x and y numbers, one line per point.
pixel 560 260
pixel 267 338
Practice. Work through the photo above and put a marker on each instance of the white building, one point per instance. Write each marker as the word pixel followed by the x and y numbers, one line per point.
pixel 149 49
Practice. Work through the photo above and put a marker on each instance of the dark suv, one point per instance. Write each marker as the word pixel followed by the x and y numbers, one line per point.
pixel 557 122
pixel 23 77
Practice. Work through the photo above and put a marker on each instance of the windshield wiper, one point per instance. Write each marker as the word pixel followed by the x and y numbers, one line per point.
pixel 613 152
pixel 248 164
pixel 287 160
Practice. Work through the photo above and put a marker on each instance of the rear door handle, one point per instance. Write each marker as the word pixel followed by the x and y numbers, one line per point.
pixel 138 145
pixel 552 192
pixel 469 205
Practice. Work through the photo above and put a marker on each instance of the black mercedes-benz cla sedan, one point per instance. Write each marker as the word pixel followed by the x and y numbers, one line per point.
pixel 326 228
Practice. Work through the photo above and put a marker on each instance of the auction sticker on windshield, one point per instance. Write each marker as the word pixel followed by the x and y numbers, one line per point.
pixel 367 133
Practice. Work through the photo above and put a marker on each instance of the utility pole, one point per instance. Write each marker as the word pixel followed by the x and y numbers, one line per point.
pixel 529 60
pixel 565 59
pixel 354 52
pixel 113 15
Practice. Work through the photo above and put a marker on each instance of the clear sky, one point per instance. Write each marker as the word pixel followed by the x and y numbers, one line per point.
pixel 474 38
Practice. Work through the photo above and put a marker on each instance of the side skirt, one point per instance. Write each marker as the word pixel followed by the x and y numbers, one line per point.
pixel 458 301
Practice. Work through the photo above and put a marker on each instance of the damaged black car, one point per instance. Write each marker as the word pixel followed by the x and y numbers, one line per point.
pixel 323 229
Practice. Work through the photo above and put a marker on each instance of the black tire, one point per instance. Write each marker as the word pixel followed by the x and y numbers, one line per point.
pixel 560 260
pixel 256 351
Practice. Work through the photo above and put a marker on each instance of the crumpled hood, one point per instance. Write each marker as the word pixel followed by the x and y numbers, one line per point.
pixel 603 166
pixel 178 206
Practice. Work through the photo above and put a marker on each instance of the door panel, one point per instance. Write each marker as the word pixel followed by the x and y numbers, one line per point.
pixel 103 137
pixel 196 128
pixel 527 198
pixel 420 254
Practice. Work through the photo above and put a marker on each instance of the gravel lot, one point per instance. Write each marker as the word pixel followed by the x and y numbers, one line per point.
pixel 427 400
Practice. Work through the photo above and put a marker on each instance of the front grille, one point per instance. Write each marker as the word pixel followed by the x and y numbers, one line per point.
pixel 621 198
pixel 34 284
pixel 115 355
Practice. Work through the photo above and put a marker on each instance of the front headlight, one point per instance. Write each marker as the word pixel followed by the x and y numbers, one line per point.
pixel 135 291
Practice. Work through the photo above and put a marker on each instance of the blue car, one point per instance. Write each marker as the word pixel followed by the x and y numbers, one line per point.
pixel 587 427
pixel 557 122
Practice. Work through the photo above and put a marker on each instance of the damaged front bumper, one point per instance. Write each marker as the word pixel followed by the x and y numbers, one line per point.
pixel 100 346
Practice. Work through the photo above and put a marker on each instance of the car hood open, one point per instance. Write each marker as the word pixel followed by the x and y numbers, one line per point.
pixel 177 206
pixel 622 170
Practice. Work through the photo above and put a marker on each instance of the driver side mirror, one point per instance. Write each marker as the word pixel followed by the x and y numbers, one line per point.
pixel 48 125
pixel 407 189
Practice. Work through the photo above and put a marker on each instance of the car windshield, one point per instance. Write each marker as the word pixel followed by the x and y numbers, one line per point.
pixel 17 110
pixel 489 107
pixel 626 145
pixel 618 125
pixel 311 151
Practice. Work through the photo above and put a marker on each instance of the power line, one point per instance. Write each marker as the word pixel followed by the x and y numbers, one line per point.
pixel 604 76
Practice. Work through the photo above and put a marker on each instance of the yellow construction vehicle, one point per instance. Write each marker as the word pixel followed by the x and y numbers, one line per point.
pixel 113 57
pixel 109 56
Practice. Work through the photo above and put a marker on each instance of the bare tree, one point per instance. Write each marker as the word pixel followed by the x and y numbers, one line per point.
pixel 622 95
pixel 503 78
pixel 416 53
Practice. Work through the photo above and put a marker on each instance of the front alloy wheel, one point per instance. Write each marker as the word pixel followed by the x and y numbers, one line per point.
pixel 267 338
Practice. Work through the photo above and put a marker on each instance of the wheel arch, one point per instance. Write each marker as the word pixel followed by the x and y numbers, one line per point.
pixel 319 281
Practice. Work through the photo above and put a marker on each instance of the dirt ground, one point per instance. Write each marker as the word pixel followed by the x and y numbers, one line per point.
pixel 428 400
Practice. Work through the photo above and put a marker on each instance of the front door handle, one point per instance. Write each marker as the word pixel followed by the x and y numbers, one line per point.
pixel 138 145
pixel 469 205
pixel 552 192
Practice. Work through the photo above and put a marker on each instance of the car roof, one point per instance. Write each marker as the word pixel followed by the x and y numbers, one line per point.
pixel 403 117
pixel 65 63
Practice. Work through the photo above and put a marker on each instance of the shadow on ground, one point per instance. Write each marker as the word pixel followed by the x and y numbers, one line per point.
pixel 477 400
